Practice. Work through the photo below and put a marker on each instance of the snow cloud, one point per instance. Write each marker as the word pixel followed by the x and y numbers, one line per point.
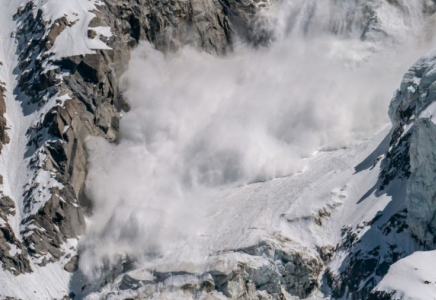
pixel 200 124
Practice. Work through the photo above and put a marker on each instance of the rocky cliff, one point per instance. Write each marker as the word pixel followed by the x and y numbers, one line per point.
pixel 411 112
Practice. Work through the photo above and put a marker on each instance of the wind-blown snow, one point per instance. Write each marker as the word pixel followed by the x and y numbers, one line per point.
pixel 201 125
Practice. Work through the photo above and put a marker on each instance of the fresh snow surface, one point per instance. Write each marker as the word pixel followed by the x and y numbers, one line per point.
pixel 74 39
pixel 49 282
pixel 12 166
pixel 412 278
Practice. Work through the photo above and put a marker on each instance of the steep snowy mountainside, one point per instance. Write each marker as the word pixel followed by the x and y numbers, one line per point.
pixel 60 67
pixel 329 231
pixel 412 112
pixel 411 156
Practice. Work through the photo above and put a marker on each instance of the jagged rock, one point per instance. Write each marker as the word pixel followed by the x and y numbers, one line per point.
pixel 413 141
pixel 209 25
pixel 7 206
pixel 72 265
pixel 57 221
pixel 13 256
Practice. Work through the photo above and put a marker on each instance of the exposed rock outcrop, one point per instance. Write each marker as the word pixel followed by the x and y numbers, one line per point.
pixel 268 270
pixel 413 141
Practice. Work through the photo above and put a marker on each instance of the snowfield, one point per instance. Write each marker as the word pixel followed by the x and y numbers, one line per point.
pixel 412 277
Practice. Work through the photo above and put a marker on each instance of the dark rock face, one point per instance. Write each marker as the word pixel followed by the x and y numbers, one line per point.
pixel 368 250
pixel 50 152
pixel 208 25
pixel 13 255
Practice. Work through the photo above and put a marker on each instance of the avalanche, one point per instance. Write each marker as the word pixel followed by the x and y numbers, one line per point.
pixel 270 172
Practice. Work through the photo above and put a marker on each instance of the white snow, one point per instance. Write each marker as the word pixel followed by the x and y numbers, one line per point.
pixel 412 278
pixel 430 112
pixel 74 39
pixel 14 250
pixel 47 282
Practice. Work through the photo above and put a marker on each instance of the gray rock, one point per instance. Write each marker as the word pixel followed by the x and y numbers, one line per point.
pixel 412 151
pixel 72 265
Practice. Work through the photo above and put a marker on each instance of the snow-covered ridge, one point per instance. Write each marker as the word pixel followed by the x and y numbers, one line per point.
pixel 411 278
pixel 74 38
pixel 35 36
pixel 412 112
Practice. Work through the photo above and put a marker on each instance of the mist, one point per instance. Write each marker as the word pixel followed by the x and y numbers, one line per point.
pixel 202 125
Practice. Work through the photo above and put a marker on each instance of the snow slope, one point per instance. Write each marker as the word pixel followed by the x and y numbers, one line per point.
pixel 412 278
